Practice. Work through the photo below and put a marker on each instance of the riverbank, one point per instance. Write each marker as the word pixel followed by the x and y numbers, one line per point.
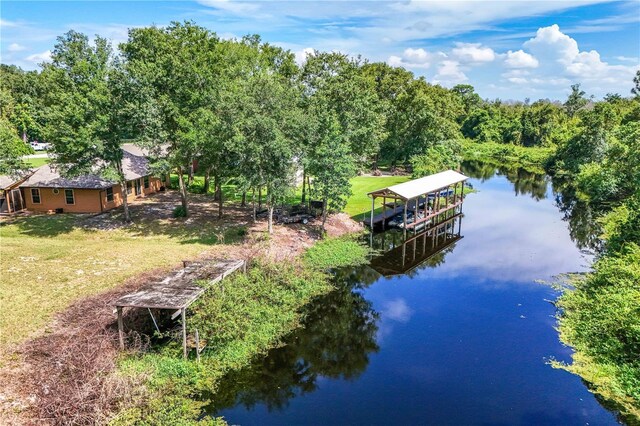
pixel 68 368
pixel 531 159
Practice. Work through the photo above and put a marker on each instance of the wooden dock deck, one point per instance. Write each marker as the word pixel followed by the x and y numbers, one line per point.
pixel 384 216
pixel 177 291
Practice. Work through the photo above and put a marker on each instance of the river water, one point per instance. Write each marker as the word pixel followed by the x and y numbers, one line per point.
pixel 463 337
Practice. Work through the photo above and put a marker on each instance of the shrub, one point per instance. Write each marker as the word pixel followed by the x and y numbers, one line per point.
pixel 335 253
pixel 179 211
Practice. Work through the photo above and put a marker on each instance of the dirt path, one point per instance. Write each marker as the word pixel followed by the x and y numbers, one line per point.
pixel 63 376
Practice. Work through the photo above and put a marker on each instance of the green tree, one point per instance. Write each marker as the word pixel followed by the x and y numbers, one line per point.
pixel 331 164
pixel 266 112
pixel 636 89
pixel 469 97
pixel 350 96
pixel 576 100
pixel 173 68
pixel 422 115
pixel 86 119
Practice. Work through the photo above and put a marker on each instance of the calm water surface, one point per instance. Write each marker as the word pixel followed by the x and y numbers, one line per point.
pixel 462 339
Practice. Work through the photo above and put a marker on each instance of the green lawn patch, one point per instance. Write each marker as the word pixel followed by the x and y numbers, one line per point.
pixel 359 204
pixel 36 162
pixel 49 261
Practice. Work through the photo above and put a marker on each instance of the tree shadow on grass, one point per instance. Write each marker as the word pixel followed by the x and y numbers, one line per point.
pixel 46 225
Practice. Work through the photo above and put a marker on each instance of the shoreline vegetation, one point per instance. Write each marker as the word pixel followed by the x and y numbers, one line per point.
pixel 241 319
pixel 151 384
pixel 256 122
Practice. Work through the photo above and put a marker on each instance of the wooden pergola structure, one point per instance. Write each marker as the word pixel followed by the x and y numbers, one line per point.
pixel 431 195
pixel 177 291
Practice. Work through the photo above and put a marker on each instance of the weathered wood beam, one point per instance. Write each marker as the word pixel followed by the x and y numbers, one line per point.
pixel 184 333
pixel 120 328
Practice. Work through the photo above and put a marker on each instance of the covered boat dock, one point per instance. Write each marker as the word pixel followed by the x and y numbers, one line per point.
pixel 425 197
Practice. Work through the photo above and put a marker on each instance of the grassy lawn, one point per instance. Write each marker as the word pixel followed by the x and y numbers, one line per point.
pixel 47 262
pixel 36 162
pixel 359 204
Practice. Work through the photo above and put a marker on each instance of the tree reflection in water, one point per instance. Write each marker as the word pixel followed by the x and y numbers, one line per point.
pixel 583 225
pixel 337 337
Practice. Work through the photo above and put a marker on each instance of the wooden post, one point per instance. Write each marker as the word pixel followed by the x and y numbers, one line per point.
pixel 373 207
pixel 120 328
pixel 9 198
pixel 446 198
pixel 384 211
pixel 197 346
pixel 184 332
pixel 405 223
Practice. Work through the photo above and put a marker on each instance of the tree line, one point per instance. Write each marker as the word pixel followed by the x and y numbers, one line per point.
pixel 244 109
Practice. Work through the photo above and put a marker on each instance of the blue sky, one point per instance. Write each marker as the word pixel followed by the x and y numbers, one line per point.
pixel 506 49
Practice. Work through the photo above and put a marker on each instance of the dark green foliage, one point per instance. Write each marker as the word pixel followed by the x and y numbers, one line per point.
pixel 179 211
pixel 239 318
pixel 601 316
pixel 576 100
pixel 601 320
pixel 12 148
pixel 438 157
pixel 532 159
pixel 335 253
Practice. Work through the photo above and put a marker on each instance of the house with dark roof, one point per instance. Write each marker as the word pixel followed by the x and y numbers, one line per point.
pixel 45 190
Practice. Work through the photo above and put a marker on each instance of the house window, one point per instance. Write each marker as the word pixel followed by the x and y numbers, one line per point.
pixel 129 187
pixel 146 182
pixel 109 195
pixel 68 196
pixel 35 195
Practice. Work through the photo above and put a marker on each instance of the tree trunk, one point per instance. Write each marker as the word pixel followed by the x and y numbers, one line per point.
pixel 219 189
pixel 125 202
pixel 309 188
pixel 253 204
pixel 190 182
pixel 304 184
pixel 24 136
pixel 324 213
pixel 270 221
pixel 123 191
pixel 207 180
pixel 259 197
pixel 183 191
pixel 216 186
pixel 244 199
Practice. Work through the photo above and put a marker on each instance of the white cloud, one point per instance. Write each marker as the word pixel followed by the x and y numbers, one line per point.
pixel 473 52
pixel 239 8
pixel 8 24
pixel 301 55
pixel 633 59
pixel 449 73
pixel 15 47
pixel 397 310
pixel 517 80
pixel 37 58
pixel 415 58
pixel 520 59
pixel 553 45
pixel 562 62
